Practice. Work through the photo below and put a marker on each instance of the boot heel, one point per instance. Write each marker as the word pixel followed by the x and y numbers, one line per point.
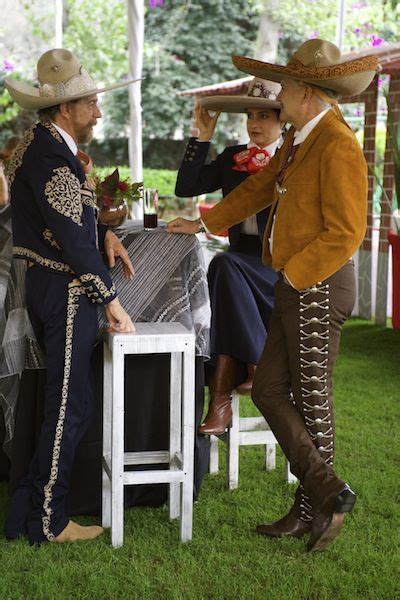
pixel 345 502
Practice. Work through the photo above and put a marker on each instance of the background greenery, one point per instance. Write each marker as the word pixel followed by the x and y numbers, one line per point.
pixel 188 43
pixel 226 559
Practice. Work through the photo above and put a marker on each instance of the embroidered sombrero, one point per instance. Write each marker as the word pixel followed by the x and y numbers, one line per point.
pixel 260 94
pixel 61 78
pixel 318 63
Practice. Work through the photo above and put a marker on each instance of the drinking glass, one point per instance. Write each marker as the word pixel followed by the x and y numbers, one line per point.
pixel 150 207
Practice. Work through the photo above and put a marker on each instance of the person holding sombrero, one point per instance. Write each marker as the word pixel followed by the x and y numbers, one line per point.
pixel 54 223
pixel 241 287
pixel 317 189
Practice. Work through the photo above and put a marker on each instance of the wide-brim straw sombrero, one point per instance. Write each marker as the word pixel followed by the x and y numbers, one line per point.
pixel 318 63
pixel 261 94
pixel 61 79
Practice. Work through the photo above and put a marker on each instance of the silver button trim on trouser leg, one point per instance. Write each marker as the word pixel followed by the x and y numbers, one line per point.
pixel 314 316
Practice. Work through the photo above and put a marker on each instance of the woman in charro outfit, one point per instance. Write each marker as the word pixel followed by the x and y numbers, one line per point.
pixel 241 287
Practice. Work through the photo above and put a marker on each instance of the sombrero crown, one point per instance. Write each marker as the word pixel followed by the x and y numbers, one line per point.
pixel 61 78
pixel 319 63
pixel 261 94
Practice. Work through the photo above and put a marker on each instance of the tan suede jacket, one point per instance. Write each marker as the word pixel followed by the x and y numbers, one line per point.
pixel 321 213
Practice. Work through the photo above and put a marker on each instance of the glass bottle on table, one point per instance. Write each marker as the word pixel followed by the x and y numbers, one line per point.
pixel 150 207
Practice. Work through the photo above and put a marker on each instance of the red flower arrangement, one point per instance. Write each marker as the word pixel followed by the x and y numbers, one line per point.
pixel 112 190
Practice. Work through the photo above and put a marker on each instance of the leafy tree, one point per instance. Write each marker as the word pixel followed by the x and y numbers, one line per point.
pixel 96 31
pixel 187 44
pixel 366 23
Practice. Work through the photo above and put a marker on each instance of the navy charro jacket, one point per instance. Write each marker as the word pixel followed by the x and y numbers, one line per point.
pixel 195 177
pixel 54 212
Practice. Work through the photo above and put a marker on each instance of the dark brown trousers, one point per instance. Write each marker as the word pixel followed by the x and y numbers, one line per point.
pixel 293 383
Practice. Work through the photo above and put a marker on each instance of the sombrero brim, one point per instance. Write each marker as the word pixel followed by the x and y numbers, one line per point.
pixel 347 78
pixel 236 104
pixel 27 96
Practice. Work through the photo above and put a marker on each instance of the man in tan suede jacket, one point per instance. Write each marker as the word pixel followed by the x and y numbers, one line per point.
pixel 317 186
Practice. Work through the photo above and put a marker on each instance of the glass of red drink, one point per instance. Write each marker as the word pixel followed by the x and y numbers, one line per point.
pixel 150 207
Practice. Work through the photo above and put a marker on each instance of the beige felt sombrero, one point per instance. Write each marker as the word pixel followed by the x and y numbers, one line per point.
pixel 261 94
pixel 61 79
pixel 318 63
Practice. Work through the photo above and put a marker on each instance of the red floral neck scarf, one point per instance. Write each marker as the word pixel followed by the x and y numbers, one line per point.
pixel 251 160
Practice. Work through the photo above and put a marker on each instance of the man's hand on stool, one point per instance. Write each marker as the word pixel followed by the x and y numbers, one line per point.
pixel 118 320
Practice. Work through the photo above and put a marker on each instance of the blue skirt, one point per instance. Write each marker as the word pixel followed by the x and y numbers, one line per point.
pixel 242 297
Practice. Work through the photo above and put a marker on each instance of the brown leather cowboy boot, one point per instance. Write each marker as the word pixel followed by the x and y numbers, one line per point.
pixel 246 387
pixel 221 385
pixel 296 523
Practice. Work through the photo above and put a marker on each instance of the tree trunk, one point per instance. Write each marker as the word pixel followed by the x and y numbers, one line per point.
pixel 268 34
pixel 265 49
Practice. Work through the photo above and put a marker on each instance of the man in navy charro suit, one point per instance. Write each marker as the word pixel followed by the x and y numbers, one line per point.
pixel 55 230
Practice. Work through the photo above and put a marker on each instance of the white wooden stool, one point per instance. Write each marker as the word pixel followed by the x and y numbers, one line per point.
pixel 149 338
pixel 245 431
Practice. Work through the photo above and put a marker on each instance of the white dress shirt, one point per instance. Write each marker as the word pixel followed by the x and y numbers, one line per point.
pixel 68 139
pixel 249 226
pixel 300 136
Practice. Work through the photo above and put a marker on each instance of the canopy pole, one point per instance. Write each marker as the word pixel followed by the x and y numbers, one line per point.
pixel 135 9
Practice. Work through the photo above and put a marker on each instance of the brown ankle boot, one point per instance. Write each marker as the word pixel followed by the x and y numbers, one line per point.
pixel 291 525
pixel 246 387
pixel 222 383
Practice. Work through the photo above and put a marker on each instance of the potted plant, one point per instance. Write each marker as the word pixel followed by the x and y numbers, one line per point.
pixel 114 195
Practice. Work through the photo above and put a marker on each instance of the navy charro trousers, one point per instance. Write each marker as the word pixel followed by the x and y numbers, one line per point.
pixel 65 323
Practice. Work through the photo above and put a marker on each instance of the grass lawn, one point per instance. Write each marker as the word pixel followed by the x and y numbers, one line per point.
pixel 226 559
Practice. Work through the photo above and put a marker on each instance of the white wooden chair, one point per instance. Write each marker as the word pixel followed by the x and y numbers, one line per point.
pixel 149 338
pixel 245 431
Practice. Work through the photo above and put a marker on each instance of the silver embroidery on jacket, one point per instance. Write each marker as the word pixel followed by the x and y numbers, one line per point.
pixel 63 193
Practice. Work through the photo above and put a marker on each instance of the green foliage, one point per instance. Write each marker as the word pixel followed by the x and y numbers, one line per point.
pixel 187 44
pixel 393 133
pixel 96 32
pixel 41 22
pixel 112 189
pixel 8 109
pixel 161 179
pixel 366 23
pixel 394 141
pixel 394 4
